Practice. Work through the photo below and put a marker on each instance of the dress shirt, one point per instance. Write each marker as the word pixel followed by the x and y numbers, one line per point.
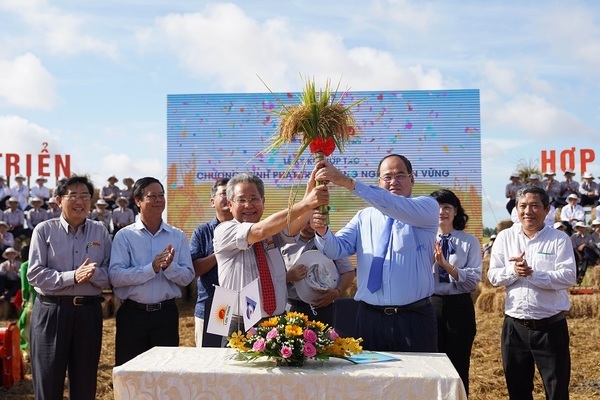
pixel 201 245
pixel 123 216
pixel 511 189
pixel 544 293
pixel 568 212
pixel 34 217
pixel 53 213
pixel 10 270
pixel 565 191
pixel 577 239
pixel 237 261
pixel 5 191
pixel 105 217
pixel 108 189
pixel 407 273
pixel 41 192
pixel 553 189
pixel 6 240
pixel 586 188
pixel 57 251
pixel 13 218
pixel 291 253
pixel 467 261
pixel 22 194
pixel 131 272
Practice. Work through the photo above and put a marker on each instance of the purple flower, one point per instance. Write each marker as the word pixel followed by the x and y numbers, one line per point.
pixel 252 331
pixel 333 334
pixel 310 336
pixel 309 350
pixel 273 333
pixel 259 345
pixel 286 352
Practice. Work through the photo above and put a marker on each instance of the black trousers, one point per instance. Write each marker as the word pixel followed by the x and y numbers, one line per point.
pixel 456 330
pixel 65 337
pixel 140 330
pixel 547 347
pixel 325 314
pixel 410 329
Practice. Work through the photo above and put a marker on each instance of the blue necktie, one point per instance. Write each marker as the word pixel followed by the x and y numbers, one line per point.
pixel 447 249
pixel 376 272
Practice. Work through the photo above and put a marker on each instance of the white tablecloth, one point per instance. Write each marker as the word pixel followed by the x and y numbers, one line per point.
pixel 209 373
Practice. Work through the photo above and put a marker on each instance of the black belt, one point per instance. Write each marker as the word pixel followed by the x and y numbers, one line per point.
pixel 72 300
pixel 535 324
pixel 392 310
pixel 149 307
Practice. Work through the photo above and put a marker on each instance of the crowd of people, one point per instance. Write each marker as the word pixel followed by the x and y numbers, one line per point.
pixel 415 271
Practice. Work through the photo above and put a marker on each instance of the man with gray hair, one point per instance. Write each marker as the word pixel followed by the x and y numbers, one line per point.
pixel 537 266
pixel 247 248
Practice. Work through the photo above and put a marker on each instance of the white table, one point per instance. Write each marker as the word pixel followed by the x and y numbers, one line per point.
pixel 210 373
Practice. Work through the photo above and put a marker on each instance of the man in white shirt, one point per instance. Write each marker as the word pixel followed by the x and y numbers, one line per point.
pixel 537 265
pixel 236 242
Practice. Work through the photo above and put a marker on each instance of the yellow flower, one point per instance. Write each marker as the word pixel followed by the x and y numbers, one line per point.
pixel 237 340
pixel 316 325
pixel 271 322
pixel 293 330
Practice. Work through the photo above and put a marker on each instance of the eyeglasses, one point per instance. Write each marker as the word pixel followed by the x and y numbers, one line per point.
pixel 153 197
pixel 397 177
pixel 75 197
pixel 243 202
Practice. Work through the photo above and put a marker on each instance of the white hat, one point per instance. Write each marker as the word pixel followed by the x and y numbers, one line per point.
pixel 12 199
pixel 534 176
pixel 52 200
pixel 587 175
pixel 573 196
pixel 101 202
pixel 570 171
pixel 34 199
pixel 515 175
pixel 549 173
pixel 596 222
pixel 41 178
pixel 580 225
pixel 4 223
pixel 559 225
pixel 9 250
pixel 322 275
pixel 121 199
pixel 19 176
pixel 492 237
pixel 2 177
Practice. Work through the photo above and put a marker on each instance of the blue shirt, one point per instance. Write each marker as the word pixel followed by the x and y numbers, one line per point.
pixel 201 245
pixel 407 275
pixel 131 273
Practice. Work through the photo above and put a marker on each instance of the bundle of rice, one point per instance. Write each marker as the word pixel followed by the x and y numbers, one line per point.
pixel 491 300
pixel 584 306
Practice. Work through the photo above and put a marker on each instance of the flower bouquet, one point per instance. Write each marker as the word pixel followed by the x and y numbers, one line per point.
pixel 292 338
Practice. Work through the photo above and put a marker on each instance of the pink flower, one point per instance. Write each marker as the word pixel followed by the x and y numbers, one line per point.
pixel 286 352
pixel 333 334
pixel 309 350
pixel 252 331
pixel 259 345
pixel 273 333
pixel 310 336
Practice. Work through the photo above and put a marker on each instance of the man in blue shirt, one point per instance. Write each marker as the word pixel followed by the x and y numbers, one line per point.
pixel 149 263
pixel 205 262
pixel 395 314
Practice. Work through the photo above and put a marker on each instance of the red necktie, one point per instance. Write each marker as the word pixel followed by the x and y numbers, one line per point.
pixel 266 283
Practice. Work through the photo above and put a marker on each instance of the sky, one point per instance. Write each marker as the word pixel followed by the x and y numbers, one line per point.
pixel 90 79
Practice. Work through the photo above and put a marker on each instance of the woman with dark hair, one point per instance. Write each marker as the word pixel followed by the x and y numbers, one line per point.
pixel 457 270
